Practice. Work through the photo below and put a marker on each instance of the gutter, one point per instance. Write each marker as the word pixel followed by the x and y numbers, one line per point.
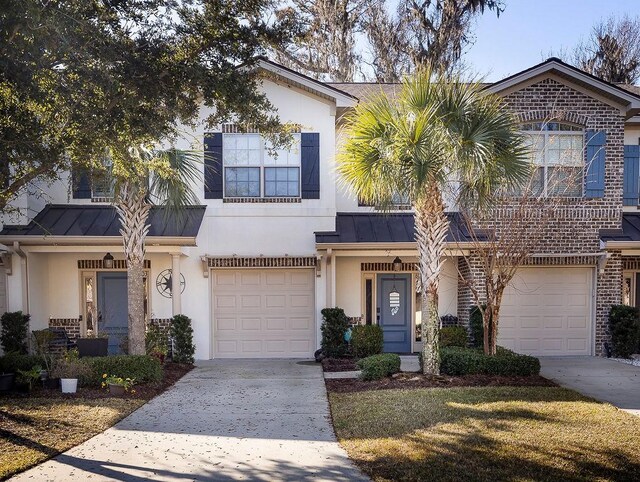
pixel 94 240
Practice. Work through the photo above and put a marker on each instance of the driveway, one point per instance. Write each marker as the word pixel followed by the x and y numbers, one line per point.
pixel 599 378
pixel 226 420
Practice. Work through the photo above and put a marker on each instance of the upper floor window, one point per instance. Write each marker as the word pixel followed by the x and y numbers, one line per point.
pixel 254 168
pixel 558 151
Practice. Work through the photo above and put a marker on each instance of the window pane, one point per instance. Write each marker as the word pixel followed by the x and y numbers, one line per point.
pixel 282 181
pixel 564 181
pixel 283 157
pixel 242 182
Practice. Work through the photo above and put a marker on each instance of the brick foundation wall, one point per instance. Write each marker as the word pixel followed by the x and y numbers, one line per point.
pixel 71 326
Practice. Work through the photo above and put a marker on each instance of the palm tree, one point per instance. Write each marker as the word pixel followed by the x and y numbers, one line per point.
pixel 143 177
pixel 437 137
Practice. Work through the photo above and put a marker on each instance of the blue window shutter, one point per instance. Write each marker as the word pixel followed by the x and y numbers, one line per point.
pixel 631 175
pixel 310 164
pixel 213 165
pixel 594 177
pixel 81 184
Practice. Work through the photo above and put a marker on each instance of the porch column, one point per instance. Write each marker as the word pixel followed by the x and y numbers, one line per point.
pixel 176 292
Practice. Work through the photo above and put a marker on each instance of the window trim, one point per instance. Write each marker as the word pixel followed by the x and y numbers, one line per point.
pixel 546 133
pixel 261 167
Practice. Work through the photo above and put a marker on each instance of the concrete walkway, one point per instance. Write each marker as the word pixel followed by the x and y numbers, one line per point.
pixel 599 378
pixel 226 420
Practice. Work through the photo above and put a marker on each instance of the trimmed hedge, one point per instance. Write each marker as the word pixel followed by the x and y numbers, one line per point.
pixel 12 362
pixel 143 368
pixel 624 325
pixel 376 367
pixel 334 325
pixel 182 336
pixel 457 361
pixel 476 327
pixel 14 331
pixel 366 340
pixel 454 336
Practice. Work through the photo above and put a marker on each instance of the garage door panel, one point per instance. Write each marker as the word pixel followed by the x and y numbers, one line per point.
pixel 548 312
pixel 275 309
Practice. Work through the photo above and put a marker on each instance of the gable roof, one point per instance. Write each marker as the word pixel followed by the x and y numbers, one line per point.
pixel 309 84
pixel 62 223
pixel 624 96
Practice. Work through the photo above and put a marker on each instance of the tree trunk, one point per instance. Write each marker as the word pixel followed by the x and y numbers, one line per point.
pixel 431 226
pixel 495 318
pixel 133 211
pixel 486 329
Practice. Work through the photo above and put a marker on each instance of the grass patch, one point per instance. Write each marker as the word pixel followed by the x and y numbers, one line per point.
pixel 486 434
pixel 35 429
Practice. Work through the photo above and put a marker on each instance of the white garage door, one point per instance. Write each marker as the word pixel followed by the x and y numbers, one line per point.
pixel 547 311
pixel 263 313
pixel 3 291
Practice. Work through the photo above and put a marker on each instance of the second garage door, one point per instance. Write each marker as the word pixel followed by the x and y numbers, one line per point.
pixel 263 313
pixel 547 311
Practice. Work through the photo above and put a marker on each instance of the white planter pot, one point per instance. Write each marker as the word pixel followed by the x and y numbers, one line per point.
pixel 69 385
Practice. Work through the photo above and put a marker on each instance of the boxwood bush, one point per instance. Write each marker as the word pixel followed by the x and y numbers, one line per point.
pixel 14 332
pixel 457 361
pixel 624 325
pixel 12 362
pixel 143 368
pixel 476 327
pixel 454 336
pixel 366 340
pixel 379 366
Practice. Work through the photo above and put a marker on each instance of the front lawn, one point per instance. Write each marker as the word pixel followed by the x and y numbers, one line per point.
pixel 486 434
pixel 35 427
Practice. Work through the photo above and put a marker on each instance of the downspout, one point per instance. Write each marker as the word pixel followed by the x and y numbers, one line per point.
pixel 23 276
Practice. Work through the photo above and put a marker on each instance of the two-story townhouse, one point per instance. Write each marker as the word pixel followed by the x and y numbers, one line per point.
pixel 276 238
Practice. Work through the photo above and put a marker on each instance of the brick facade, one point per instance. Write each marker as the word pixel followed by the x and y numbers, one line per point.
pixel 575 224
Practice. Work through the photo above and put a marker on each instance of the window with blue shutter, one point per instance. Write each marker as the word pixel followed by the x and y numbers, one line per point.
pixel 310 165
pixel 631 175
pixel 594 173
pixel 213 165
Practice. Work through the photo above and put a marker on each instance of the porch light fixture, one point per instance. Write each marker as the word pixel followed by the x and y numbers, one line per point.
pixel 397 264
pixel 107 261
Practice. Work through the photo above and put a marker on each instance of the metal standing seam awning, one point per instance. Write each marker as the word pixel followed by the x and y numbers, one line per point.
pixel 77 224
pixel 370 230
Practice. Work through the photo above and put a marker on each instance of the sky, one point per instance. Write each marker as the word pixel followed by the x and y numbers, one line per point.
pixel 528 30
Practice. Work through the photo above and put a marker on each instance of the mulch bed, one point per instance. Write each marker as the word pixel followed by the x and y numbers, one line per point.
pixel 410 381
pixel 172 372
pixel 339 364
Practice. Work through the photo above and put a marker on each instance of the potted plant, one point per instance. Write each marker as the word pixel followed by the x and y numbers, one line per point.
pixel 117 386
pixel 26 379
pixel 69 369
pixel 93 345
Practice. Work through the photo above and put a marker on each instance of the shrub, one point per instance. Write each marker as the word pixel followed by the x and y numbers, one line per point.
pixel 13 335
pixel 143 368
pixel 454 336
pixel 12 362
pixel 476 328
pixel 457 361
pixel 69 368
pixel 334 325
pixel 156 340
pixel 376 367
pixel 182 336
pixel 624 325
pixel 366 340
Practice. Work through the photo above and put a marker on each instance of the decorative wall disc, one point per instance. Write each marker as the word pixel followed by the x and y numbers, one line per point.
pixel 164 282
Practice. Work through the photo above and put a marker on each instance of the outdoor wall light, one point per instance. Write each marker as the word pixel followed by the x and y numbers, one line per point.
pixel 107 261
pixel 397 264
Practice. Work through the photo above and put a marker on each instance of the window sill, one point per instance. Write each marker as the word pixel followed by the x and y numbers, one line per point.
pixel 262 200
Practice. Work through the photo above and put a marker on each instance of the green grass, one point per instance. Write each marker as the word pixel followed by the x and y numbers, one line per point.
pixel 486 434
pixel 35 429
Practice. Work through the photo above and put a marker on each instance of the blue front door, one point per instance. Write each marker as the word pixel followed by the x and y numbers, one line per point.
pixel 113 315
pixel 394 311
